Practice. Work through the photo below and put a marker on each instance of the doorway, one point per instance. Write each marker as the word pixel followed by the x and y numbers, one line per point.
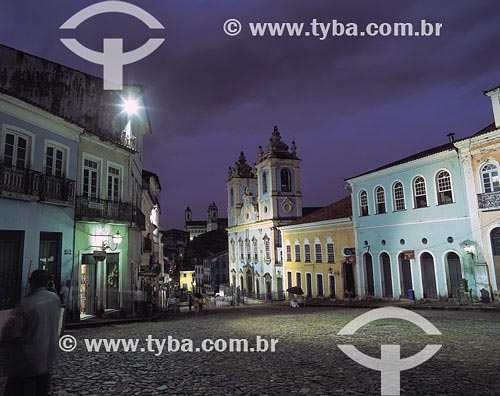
pixel 495 247
pixel 385 262
pixel 49 255
pixel 428 276
pixel 112 281
pixel 88 285
pixel 11 259
pixel 370 284
pixel 453 274
pixel 349 283
pixel 405 274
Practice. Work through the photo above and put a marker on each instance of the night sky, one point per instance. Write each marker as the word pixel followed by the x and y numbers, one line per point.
pixel 351 104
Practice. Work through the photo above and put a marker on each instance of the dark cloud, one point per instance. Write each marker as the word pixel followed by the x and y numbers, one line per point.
pixel 351 104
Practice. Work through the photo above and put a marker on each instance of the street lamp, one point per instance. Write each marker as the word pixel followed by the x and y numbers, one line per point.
pixel 130 106
pixel 194 285
pixel 116 238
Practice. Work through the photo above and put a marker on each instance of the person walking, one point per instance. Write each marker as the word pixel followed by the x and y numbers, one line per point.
pixel 31 337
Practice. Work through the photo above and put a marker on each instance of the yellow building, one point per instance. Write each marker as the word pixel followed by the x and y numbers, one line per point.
pixel 318 252
pixel 186 280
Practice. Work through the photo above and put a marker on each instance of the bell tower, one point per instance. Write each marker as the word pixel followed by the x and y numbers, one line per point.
pixel 212 217
pixel 188 214
pixel 278 179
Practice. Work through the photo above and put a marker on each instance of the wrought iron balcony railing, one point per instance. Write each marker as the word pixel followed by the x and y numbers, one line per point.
pixel 27 182
pixel 96 208
pixel 489 201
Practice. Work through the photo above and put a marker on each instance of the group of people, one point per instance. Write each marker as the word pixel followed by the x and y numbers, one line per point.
pixel 31 336
pixel 195 302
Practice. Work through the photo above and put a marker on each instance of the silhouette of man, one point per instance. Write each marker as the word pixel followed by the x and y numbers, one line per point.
pixel 31 337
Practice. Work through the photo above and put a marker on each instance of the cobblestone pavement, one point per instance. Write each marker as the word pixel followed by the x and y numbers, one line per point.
pixel 306 362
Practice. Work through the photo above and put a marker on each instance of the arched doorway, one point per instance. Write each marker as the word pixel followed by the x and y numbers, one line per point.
pixel 385 263
pixel 242 284
pixel 370 284
pixel 453 274
pixel 428 276
pixel 405 275
pixel 249 281
pixel 269 288
pixel 495 250
pixel 331 286
pixel 349 284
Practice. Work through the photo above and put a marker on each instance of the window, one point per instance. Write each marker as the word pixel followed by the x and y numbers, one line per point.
pixel 297 252
pixel 419 192
pixel 317 252
pixel 330 253
pixel 489 177
pixel 398 194
pixel 240 245
pixel 380 199
pixel 231 197
pixel 264 182
pixel 90 178
pixel 255 251
pixel 17 150
pixel 363 203
pixel 289 279
pixel 55 161
pixel 286 183
pixel 247 245
pixel 307 253
pixel 288 252
pixel 233 256
pixel 113 184
pixel 443 183
pixel 267 248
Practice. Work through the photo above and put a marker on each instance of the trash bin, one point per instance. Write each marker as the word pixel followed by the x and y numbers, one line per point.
pixel 411 294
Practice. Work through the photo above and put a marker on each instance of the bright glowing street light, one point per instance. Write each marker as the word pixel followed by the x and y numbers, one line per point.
pixel 130 106
pixel 117 238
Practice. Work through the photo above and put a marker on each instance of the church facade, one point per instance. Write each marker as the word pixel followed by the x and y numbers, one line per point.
pixel 196 228
pixel 261 199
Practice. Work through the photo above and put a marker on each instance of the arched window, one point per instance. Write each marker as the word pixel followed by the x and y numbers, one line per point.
pixel 267 248
pixel 286 183
pixel 231 197
pixel 489 177
pixel 419 192
pixel 443 187
pixel 398 195
pixel 380 199
pixel 363 203
pixel 264 183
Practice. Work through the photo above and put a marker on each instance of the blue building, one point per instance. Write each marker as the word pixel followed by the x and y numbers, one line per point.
pixel 413 227
pixel 38 169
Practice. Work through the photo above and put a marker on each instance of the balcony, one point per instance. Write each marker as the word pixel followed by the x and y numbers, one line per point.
pixel 88 208
pixel 489 201
pixel 29 184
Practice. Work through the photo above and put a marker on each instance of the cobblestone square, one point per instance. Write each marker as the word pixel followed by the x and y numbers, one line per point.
pixel 307 360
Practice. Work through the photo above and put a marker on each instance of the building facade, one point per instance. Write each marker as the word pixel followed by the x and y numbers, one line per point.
pixel 319 253
pixel 413 226
pixel 260 200
pixel 196 228
pixel 38 172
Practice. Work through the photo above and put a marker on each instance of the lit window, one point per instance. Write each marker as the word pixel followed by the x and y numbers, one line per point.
pixel 380 199
pixel 443 182
pixel 398 196
pixel 419 192
pixel 489 176
pixel 363 203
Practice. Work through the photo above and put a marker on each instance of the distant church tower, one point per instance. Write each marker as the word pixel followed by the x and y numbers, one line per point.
pixel 278 178
pixel 212 217
pixel 188 214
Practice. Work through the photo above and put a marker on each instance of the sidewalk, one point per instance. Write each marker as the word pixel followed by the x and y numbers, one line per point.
pixel 419 305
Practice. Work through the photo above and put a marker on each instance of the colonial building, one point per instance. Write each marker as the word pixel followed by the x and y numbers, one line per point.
pixel 38 172
pixel 480 156
pixel 319 253
pixel 260 200
pixel 106 163
pixel 196 228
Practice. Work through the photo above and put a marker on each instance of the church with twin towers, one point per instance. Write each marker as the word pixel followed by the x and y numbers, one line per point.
pixel 261 199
